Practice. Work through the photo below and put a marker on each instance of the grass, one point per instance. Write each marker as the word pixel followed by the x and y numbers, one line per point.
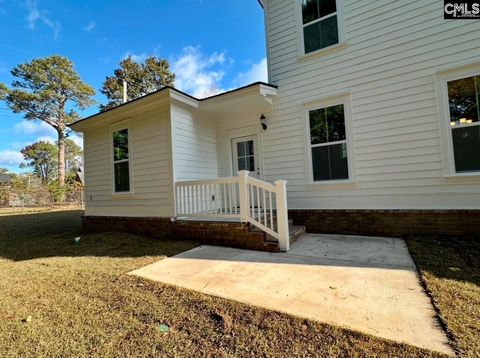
pixel 59 299
pixel 450 270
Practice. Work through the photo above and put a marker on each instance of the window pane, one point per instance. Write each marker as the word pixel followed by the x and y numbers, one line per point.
pixel 327 124
pixel 338 161
pixel 309 10
pixel 241 149
pixel 249 145
pixel 320 34
pixel 320 163
pixel 466 147
pixel 251 163
pixel 122 179
pixel 311 36
pixel 336 123
pixel 329 31
pixel 326 7
pixel 120 145
pixel 330 162
pixel 241 163
pixel 463 98
pixel 318 126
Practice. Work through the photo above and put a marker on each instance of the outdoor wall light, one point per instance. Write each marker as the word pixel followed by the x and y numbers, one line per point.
pixel 264 122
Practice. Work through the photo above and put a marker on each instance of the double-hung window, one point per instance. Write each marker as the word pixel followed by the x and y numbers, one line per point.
pixel 121 164
pixel 320 24
pixel 464 111
pixel 328 143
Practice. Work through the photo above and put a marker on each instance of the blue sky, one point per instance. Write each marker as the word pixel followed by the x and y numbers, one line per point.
pixel 212 45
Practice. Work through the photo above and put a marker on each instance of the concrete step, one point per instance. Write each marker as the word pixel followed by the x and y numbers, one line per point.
pixel 296 232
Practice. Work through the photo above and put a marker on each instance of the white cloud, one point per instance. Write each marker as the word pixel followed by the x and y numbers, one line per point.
pixel 136 57
pixel 10 157
pixel 257 72
pixel 35 128
pixel 197 73
pixel 77 139
pixel 90 26
pixel 35 15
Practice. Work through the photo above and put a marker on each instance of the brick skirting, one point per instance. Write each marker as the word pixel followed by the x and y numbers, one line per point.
pixel 214 233
pixel 395 223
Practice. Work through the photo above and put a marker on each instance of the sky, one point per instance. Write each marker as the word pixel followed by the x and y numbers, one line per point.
pixel 211 45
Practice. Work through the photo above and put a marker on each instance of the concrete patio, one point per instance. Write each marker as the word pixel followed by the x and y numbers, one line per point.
pixel 367 284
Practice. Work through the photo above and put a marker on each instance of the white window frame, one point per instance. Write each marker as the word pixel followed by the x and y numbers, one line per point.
pixel 300 35
pixel 344 99
pixel 442 77
pixel 115 128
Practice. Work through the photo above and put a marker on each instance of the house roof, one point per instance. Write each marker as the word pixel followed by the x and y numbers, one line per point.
pixel 172 93
pixel 80 177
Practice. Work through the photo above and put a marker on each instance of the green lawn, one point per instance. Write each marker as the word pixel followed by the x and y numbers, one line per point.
pixel 59 299
pixel 450 270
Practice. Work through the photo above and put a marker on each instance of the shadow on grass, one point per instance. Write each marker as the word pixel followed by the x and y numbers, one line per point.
pixel 51 234
pixel 454 258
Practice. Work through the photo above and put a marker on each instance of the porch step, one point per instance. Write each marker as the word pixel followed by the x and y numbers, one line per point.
pixel 295 233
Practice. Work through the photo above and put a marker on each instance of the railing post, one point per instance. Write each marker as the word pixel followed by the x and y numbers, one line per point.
pixel 243 194
pixel 282 215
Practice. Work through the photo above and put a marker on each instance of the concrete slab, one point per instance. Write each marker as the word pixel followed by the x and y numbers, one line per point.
pixel 364 283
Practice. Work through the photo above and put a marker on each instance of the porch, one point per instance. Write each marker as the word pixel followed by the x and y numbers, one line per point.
pixel 253 208
pixel 220 195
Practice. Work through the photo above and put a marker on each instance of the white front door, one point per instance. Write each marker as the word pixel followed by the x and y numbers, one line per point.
pixel 245 155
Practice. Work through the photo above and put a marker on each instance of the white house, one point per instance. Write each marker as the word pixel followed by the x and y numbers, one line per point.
pixel 372 117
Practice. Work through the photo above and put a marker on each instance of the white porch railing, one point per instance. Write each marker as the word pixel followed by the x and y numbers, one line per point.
pixel 241 197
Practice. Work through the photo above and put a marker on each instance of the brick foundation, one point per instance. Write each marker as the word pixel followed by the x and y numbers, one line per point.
pixel 214 233
pixel 395 223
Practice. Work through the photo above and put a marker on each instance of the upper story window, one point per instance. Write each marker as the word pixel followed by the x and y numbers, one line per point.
pixel 328 143
pixel 320 24
pixel 464 111
pixel 121 166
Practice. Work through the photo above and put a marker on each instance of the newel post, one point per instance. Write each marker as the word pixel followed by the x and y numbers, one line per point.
pixel 282 215
pixel 243 194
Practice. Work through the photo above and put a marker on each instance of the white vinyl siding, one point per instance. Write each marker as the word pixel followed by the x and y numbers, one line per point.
pixel 195 144
pixel 388 66
pixel 150 145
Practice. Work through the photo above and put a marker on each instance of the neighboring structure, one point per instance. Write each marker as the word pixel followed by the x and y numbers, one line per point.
pixel 80 175
pixel 5 179
pixel 373 119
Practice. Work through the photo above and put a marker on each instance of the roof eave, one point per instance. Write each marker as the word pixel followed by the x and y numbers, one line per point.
pixel 119 112
pixel 165 94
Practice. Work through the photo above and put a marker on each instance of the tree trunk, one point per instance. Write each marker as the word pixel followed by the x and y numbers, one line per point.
pixel 61 157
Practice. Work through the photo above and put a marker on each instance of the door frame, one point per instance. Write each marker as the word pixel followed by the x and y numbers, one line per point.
pixel 258 154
